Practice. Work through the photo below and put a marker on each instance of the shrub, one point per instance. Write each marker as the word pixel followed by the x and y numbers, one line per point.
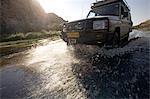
pixel 29 35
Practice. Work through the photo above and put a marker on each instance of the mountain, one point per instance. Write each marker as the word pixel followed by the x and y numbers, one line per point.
pixel 144 25
pixel 54 21
pixel 25 16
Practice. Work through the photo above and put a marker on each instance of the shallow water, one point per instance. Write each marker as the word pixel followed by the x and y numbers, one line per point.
pixel 54 71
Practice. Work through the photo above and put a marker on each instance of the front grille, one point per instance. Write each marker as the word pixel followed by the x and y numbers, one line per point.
pixel 83 25
pixel 89 25
pixel 79 25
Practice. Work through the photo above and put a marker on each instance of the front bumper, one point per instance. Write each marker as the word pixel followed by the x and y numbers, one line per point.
pixel 89 37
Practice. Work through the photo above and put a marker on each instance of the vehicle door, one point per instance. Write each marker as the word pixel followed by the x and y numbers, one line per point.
pixel 125 21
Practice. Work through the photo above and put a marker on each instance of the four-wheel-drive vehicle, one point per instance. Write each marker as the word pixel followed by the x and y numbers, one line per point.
pixel 108 22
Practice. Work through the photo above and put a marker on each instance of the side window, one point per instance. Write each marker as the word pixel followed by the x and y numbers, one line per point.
pixel 91 14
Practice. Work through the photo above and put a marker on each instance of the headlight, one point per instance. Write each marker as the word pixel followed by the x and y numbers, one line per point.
pixel 78 26
pixel 100 24
pixel 64 28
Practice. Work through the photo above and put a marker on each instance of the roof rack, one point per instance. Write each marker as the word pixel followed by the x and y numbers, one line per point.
pixel 102 2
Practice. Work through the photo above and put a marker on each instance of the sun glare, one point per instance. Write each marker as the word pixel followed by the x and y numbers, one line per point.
pixel 49 5
pixel 67 9
pixel 58 7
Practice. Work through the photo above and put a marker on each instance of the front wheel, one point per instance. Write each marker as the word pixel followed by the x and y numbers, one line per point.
pixel 116 40
pixel 126 38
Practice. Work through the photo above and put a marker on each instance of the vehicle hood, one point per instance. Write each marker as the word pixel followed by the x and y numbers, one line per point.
pixel 97 17
pixel 86 23
pixel 109 17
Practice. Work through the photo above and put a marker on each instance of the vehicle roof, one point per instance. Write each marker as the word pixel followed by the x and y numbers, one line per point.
pixel 104 2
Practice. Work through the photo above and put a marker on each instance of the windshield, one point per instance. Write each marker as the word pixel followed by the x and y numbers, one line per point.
pixel 109 9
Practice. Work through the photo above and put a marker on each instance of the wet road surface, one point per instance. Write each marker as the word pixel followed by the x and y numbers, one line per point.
pixel 56 71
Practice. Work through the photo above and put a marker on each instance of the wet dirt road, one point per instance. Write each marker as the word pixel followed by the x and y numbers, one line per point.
pixel 56 71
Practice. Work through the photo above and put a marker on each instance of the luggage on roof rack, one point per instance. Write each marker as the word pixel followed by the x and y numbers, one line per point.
pixel 103 2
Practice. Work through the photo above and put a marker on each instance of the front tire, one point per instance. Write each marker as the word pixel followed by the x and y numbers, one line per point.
pixel 126 38
pixel 116 40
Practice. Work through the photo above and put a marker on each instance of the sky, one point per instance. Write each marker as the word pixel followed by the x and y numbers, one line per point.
pixel 76 9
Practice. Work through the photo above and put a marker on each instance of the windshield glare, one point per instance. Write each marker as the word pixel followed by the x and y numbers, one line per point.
pixel 110 9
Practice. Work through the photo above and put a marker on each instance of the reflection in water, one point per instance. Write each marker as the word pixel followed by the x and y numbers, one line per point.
pixel 52 63
pixel 52 50
pixel 54 53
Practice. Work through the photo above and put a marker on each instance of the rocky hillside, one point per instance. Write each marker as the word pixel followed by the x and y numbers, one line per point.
pixel 24 16
pixel 54 21
pixel 144 25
